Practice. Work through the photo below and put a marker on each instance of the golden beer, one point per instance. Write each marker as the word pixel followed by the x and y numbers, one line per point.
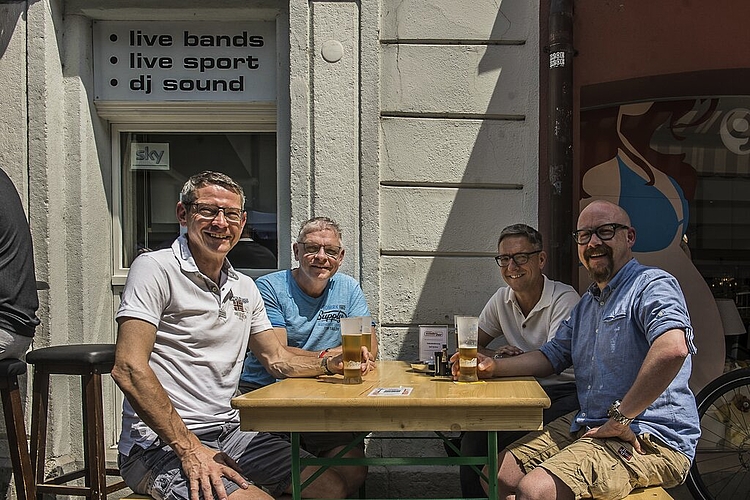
pixel 467 364
pixel 352 354
pixel 367 340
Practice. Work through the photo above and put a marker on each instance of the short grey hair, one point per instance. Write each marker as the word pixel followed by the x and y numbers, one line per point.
pixel 528 232
pixel 318 224
pixel 209 178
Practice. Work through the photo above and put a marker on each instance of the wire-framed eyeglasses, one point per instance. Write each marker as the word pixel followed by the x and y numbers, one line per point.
pixel 605 232
pixel 314 248
pixel 519 258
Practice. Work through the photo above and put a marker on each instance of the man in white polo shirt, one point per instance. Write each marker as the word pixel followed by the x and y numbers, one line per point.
pixel 185 321
pixel 524 314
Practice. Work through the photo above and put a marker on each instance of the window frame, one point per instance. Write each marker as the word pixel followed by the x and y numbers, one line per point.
pixel 193 119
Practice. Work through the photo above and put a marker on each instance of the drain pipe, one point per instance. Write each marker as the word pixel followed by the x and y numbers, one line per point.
pixel 560 139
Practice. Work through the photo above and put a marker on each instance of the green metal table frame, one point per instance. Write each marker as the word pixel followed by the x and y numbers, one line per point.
pixel 298 463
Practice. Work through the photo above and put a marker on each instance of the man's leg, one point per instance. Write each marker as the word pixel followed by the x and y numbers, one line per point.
pixel 266 460
pixel 328 444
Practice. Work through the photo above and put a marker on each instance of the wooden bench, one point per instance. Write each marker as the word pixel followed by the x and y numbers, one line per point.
pixel 652 493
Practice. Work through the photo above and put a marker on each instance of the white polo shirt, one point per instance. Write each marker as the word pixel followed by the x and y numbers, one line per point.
pixel 202 332
pixel 502 316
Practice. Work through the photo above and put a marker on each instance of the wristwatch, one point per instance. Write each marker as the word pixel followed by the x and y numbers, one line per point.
pixel 614 414
pixel 324 365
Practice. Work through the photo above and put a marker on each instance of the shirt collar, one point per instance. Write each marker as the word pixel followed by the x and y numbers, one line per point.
pixel 621 275
pixel 181 251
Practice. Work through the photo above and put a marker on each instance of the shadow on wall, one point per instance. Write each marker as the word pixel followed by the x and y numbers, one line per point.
pixel 471 176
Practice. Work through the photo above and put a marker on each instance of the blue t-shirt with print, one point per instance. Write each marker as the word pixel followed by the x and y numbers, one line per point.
pixel 312 323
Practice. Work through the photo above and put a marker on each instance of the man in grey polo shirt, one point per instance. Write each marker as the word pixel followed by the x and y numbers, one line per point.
pixel 185 321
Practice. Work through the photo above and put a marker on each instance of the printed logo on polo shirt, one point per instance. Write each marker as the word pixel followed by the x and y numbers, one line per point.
pixel 624 453
pixel 239 307
pixel 332 313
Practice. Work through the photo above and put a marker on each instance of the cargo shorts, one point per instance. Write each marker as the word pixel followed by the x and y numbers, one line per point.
pixel 599 468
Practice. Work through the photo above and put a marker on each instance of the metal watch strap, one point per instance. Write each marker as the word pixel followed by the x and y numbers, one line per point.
pixel 615 414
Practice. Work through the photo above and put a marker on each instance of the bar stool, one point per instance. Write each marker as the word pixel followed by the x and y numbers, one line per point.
pixel 23 474
pixel 89 361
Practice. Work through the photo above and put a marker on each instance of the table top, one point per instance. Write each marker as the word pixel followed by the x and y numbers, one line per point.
pixel 326 404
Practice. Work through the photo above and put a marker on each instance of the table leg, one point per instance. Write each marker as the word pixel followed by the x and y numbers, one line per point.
pixel 492 464
pixel 296 468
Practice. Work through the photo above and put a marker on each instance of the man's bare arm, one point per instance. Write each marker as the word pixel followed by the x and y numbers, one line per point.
pixel 203 466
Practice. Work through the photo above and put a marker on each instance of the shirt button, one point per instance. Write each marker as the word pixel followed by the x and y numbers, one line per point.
pixel 583 414
pixel 589 387
pixel 523 326
pixel 214 289
pixel 601 303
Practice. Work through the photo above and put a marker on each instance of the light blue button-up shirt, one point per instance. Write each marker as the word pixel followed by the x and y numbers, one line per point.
pixel 607 338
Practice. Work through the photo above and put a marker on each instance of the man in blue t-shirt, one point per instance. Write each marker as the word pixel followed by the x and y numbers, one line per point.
pixel 305 306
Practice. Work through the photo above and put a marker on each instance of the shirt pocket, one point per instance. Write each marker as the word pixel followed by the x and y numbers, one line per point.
pixel 614 337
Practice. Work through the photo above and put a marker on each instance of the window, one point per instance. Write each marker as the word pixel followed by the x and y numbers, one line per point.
pixel 153 166
pixel 681 168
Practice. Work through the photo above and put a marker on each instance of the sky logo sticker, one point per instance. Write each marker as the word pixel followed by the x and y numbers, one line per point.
pixel 149 156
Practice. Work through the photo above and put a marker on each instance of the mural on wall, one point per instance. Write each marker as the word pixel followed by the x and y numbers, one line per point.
pixel 619 163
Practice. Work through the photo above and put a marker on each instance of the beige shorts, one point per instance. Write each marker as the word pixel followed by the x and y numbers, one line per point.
pixel 599 468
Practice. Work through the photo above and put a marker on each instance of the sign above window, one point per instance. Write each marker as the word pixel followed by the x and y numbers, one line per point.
pixel 183 61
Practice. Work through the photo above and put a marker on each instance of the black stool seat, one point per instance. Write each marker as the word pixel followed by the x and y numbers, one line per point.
pixel 89 361
pixel 10 369
pixel 94 355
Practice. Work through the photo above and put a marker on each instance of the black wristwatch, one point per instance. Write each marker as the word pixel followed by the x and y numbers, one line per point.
pixel 614 414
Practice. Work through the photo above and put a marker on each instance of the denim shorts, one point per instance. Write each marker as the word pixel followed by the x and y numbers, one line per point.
pixel 599 468
pixel 264 459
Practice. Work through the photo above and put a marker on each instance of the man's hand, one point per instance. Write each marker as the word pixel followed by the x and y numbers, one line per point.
pixel 336 364
pixel 485 366
pixel 507 351
pixel 205 468
pixel 612 429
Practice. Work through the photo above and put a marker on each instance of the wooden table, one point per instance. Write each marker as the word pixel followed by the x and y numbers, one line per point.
pixel 435 404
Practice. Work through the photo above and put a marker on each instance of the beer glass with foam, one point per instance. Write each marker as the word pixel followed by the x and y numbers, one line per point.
pixel 351 343
pixel 468 333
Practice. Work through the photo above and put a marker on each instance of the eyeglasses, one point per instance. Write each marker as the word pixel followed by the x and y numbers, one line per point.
pixel 605 232
pixel 314 248
pixel 210 212
pixel 519 258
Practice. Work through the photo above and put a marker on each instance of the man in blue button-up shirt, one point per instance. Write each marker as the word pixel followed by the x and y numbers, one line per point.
pixel 630 341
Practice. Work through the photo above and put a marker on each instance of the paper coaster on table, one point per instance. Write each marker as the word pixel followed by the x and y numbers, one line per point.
pixel 390 391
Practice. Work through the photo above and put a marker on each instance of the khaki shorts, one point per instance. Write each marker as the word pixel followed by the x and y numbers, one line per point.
pixel 599 468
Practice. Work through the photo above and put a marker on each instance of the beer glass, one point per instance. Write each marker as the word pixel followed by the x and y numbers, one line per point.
pixel 468 333
pixel 367 332
pixel 351 343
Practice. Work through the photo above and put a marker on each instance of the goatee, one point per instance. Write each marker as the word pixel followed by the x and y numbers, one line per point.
pixel 602 274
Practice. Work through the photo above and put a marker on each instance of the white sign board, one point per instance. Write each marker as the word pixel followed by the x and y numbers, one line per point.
pixel 184 61
pixel 149 156
pixel 431 340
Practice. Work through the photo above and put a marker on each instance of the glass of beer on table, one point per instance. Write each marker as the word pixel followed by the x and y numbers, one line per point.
pixel 351 345
pixel 468 333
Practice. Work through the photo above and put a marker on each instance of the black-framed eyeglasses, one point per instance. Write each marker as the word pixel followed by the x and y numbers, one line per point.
pixel 314 248
pixel 519 258
pixel 605 232
pixel 210 212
